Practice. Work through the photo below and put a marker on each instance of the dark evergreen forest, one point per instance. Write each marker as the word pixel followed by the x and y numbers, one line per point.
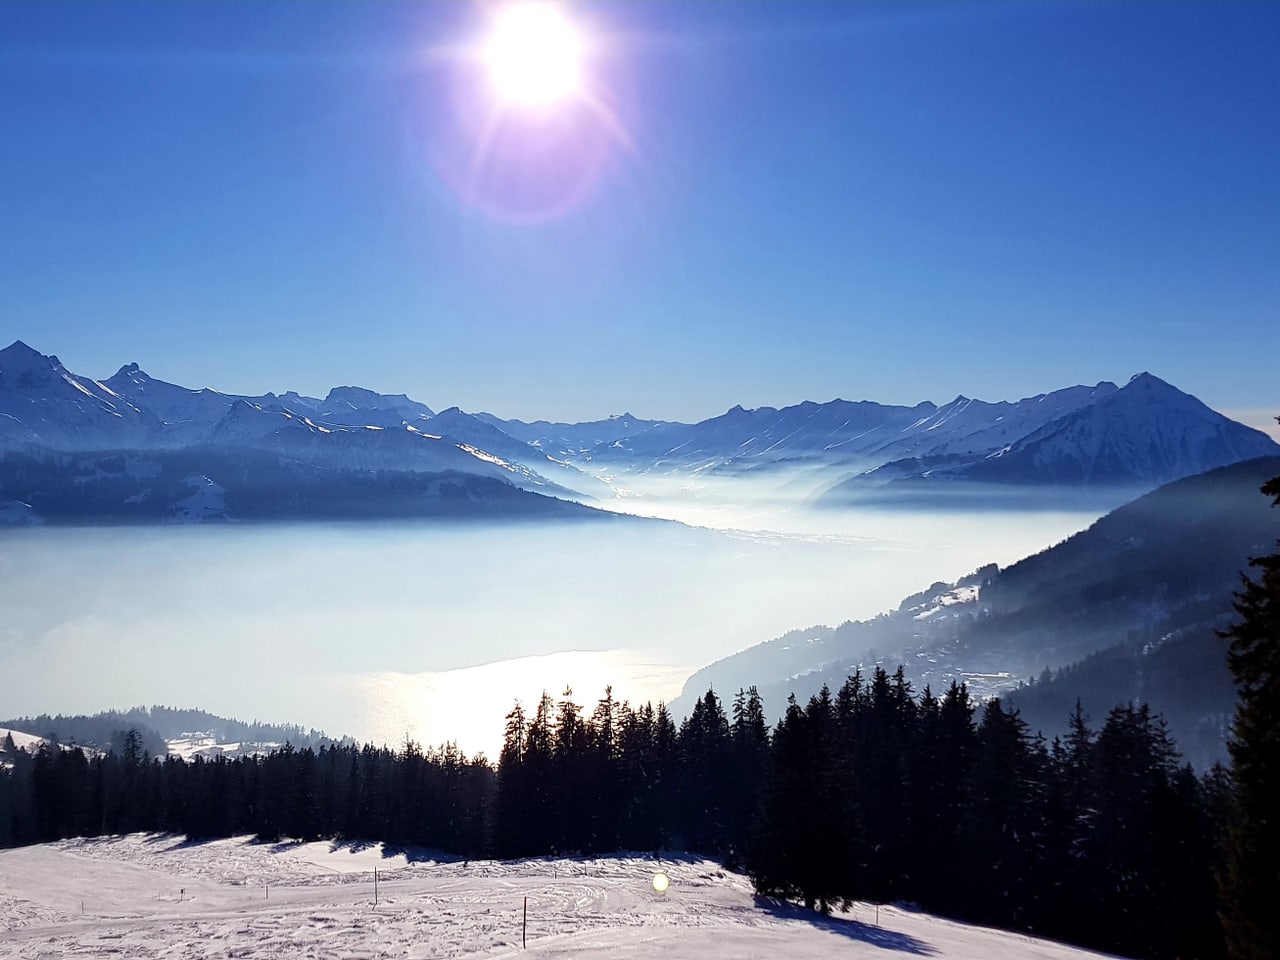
pixel 1102 838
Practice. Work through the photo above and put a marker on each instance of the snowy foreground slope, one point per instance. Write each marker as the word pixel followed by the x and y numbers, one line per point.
pixel 147 896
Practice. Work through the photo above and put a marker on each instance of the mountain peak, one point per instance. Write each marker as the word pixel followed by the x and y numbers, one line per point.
pixel 351 395
pixel 22 367
pixel 19 355
pixel 1145 379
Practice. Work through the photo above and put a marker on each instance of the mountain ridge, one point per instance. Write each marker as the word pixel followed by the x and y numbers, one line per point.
pixel 1120 441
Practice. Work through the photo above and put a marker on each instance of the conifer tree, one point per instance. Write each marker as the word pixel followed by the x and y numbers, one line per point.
pixel 570 754
pixel 539 833
pixel 602 774
pixel 748 762
pixel 1250 874
pixel 939 777
pixel 803 844
pixel 1005 831
pixel 666 772
pixel 705 793
pixel 509 812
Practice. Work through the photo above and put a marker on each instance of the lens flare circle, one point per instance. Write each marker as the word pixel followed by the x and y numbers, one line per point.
pixel 660 882
pixel 533 55
pixel 534 111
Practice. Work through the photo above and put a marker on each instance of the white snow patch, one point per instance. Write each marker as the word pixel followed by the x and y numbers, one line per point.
pixel 207 502
pixel 23 741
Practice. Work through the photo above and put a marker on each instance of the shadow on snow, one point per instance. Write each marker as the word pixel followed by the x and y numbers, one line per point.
pixel 847 927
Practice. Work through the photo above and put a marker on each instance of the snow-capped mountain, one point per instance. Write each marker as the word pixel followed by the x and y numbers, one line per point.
pixel 841 433
pixel 44 406
pixel 41 402
pixel 192 415
pixel 1147 430
pixel 1098 437
pixel 475 433
pixel 569 441
pixel 356 406
pixel 1140 435
pixel 187 416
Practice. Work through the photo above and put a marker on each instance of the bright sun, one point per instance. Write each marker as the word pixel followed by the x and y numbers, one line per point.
pixel 533 54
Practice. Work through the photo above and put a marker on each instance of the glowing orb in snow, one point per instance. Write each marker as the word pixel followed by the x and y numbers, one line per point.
pixel 660 882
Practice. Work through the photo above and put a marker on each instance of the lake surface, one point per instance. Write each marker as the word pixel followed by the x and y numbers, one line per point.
pixel 432 631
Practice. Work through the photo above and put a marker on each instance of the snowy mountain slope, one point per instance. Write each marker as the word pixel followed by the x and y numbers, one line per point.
pixel 146 896
pixel 967 426
pixel 476 433
pixel 44 406
pixel 186 415
pixel 356 406
pixel 1139 436
pixel 571 440
pixel 190 416
pixel 42 402
pixel 841 433
pixel 365 448
pixel 1147 430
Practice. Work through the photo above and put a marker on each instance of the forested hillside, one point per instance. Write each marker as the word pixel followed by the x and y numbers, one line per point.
pixel 1126 610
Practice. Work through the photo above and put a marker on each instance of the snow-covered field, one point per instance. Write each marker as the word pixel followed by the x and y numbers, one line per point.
pixel 146 896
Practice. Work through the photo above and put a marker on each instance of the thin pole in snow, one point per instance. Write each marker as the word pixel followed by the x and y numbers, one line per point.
pixel 877 914
pixel 375 886
pixel 524 926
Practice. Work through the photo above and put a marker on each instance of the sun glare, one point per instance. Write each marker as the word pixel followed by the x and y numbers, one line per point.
pixel 533 54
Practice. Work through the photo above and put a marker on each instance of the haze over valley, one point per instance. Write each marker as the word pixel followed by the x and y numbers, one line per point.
pixel 379 631
pixel 365 564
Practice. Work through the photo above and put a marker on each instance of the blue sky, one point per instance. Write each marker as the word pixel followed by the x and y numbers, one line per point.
pixel 885 201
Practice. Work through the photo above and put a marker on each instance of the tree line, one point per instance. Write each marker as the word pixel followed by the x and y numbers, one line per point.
pixel 871 793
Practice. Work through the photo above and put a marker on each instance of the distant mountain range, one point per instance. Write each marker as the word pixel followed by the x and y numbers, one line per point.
pixel 1121 440
pixel 1125 610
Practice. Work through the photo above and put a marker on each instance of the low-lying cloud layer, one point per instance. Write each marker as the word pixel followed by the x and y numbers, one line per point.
pixel 430 630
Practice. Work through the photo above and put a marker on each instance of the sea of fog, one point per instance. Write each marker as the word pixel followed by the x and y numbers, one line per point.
pixel 433 631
